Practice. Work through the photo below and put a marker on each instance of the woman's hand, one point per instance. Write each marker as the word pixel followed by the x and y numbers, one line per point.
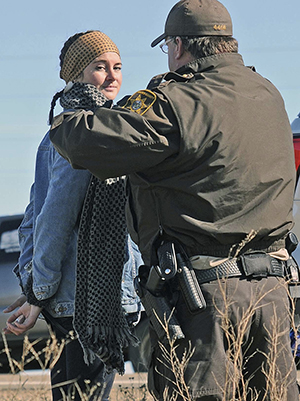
pixel 18 302
pixel 23 319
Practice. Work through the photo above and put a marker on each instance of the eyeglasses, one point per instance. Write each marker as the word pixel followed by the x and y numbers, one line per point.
pixel 164 46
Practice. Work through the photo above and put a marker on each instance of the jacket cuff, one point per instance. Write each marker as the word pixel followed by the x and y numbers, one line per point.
pixel 31 298
pixel 18 275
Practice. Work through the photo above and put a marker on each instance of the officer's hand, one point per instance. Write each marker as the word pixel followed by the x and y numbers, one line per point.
pixel 18 302
pixel 23 319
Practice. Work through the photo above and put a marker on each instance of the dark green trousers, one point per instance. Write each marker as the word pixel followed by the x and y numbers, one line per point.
pixel 240 344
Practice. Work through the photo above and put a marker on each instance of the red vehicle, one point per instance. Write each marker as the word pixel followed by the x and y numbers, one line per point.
pixel 296 210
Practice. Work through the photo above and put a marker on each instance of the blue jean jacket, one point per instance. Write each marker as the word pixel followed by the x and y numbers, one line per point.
pixel 48 234
pixel 130 301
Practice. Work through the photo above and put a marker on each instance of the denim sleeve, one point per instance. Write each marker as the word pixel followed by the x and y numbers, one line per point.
pixel 56 228
pixel 130 300
pixel 25 231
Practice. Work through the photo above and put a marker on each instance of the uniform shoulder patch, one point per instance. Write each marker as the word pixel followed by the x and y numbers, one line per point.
pixel 141 101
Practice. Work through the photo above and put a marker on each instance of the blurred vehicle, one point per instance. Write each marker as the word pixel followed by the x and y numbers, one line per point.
pixel 39 334
pixel 10 291
pixel 296 209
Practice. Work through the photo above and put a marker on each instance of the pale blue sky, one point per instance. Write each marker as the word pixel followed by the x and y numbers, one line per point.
pixel 33 32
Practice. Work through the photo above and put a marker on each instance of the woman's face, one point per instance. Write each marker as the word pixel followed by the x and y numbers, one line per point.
pixel 105 73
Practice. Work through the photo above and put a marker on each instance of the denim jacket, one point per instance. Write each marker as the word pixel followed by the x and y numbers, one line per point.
pixel 48 234
pixel 130 301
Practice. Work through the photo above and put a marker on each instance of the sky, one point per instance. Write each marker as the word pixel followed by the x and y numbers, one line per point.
pixel 33 33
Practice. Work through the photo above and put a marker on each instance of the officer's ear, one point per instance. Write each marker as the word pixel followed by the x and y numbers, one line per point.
pixel 179 50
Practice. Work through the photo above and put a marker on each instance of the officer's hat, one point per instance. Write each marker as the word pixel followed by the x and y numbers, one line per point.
pixel 197 18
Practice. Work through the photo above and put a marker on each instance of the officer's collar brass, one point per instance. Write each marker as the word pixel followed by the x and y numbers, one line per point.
pixel 155 81
pixel 168 76
pixel 172 75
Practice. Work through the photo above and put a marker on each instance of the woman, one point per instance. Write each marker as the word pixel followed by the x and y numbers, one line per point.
pixel 91 67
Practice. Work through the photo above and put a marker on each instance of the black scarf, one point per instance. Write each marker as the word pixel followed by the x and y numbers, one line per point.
pixel 99 319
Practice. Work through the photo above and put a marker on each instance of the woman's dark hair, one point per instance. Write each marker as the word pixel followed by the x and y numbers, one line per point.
pixel 62 55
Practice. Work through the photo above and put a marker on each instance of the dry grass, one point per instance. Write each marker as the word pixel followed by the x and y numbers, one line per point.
pixel 27 390
pixel 46 357
pixel 25 387
pixel 26 395
pixel 177 389
pixel 276 385
pixel 236 384
pixel 117 394
pixel 22 385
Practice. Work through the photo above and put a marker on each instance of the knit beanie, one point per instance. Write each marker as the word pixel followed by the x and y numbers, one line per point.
pixel 83 51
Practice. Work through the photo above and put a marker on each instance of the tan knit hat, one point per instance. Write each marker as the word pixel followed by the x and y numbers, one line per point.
pixel 83 51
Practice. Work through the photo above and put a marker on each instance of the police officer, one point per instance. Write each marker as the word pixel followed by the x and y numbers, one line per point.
pixel 208 151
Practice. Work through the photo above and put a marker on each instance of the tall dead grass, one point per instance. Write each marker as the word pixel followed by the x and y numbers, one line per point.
pixel 46 359
pixel 176 387
pixel 236 384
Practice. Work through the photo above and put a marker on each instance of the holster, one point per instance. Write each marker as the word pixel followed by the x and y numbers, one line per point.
pixel 174 262
pixel 157 308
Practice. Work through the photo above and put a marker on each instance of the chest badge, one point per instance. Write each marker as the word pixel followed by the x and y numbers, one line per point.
pixel 141 101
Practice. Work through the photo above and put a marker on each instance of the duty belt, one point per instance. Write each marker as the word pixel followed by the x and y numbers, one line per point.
pixel 256 265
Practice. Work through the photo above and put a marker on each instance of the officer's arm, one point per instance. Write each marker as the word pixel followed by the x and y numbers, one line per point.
pixel 113 142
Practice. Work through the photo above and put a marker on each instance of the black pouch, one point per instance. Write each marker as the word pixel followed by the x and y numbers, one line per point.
pixel 256 264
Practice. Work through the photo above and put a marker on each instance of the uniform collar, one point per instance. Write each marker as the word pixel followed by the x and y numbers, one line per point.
pixel 210 62
pixel 195 67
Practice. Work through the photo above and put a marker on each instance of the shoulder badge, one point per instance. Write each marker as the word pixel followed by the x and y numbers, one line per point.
pixel 141 101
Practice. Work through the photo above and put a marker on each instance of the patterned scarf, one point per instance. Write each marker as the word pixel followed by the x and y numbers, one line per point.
pixel 79 95
pixel 99 319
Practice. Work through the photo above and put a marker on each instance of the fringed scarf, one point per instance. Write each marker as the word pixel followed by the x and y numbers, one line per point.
pixel 99 319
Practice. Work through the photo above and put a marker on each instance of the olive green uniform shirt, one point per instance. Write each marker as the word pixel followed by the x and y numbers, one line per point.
pixel 208 153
